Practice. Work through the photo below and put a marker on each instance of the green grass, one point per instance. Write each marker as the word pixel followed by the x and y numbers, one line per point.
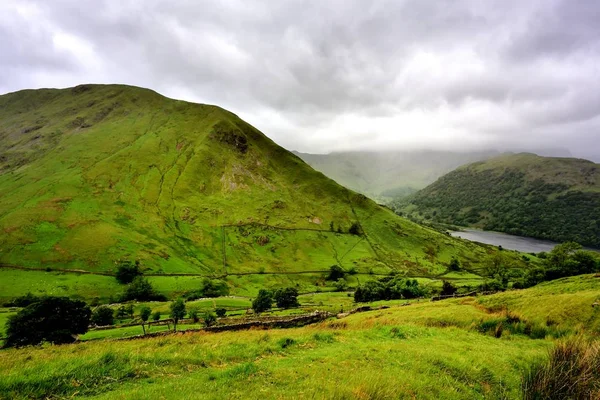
pixel 336 359
pixel 566 303
pixel 428 350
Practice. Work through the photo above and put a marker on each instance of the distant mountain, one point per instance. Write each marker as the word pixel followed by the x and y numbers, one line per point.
pixel 385 175
pixel 523 194
pixel 98 173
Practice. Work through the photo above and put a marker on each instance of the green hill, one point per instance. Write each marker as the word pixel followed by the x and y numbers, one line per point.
pixel 522 194
pixel 99 173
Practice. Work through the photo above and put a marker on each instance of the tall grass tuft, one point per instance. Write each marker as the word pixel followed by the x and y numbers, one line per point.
pixel 571 372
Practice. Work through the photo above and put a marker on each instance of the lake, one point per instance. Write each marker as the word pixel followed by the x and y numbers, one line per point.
pixel 510 242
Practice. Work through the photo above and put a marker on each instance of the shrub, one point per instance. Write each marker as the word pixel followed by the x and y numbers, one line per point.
pixel 193 314
pixel 22 301
pixel 335 272
pixel 103 316
pixel 127 271
pixel 221 312
pixel 355 229
pixel 388 288
pixel 209 288
pixel 572 371
pixel 263 301
pixel 286 298
pixel 177 312
pixel 341 285
pixel 156 316
pixel 51 319
pixel 141 290
pixel 448 289
pixel 124 312
pixel 209 318
pixel 454 264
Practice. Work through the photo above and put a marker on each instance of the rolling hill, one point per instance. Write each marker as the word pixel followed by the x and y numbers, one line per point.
pixel 99 173
pixel 522 194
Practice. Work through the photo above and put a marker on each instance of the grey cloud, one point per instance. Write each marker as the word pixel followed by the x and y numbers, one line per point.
pixel 312 74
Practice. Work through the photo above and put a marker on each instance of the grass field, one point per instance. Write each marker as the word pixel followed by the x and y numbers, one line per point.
pixel 335 359
pixel 427 350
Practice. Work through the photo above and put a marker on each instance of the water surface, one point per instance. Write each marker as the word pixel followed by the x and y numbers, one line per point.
pixel 510 242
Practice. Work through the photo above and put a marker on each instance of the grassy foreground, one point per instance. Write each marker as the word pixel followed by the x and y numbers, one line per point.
pixel 400 352
pixel 451 349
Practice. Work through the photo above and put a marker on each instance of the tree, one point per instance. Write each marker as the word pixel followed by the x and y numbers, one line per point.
pixel 177 312
pixel 124 312
pixel 51 319
pixel 286 298
pixel 141 290
pixel 145 312
pixel 103 316
pixel 355 229
pixel 370 291
pixel 448 289
pixel 497 267
pixel 193 314
pixel 336 272
pixel 454 264
pixel 221 312
pixel 127 271
pixel 263 301
pixel 156 316
pixel 341 285
pixel 209 318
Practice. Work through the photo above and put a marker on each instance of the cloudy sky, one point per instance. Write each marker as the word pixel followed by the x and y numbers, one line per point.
pixel 321 76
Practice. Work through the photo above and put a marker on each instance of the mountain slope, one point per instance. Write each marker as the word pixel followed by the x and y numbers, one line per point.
pixel 523 194
pixel 98 173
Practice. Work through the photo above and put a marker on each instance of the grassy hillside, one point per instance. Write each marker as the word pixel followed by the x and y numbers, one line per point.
pixel 387 175
pixel 450 349
pixel 522 194
pixel 99 173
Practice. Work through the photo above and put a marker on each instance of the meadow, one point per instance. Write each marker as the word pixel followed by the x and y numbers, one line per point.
pixel 428 350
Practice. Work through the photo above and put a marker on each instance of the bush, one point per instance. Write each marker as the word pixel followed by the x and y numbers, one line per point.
pixel 209 288
pixel 448 289
pixel 221 312
pixel 454 264
pixel 335 272
pixel 145 313
pixel 127 272
pixel 572 371
pixel 263 301
pixel 103 316
pixel 124 312
pixel 22 301
pixel 177 311
pixel 355 229
pixel 388 288
pixel 193 314
pixel 51 319
pixel 370 291
pixel 156 316
pixel 209 318
pixel 141 290
pixel 341 285
pixel 286 298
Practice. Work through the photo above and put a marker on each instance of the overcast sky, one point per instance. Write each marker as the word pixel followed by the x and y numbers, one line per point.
pixel 319 76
